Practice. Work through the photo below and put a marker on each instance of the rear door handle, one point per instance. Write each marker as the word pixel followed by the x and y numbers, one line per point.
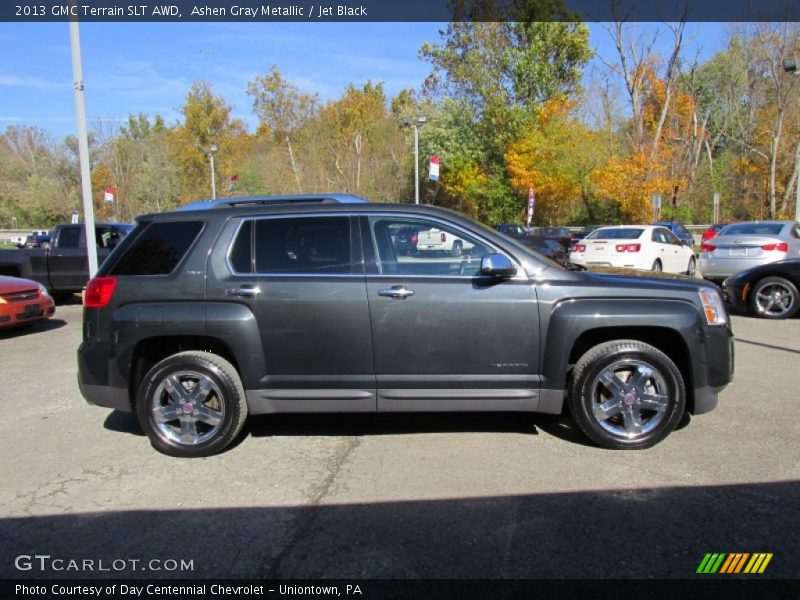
pixel 244 291
pixel 396 291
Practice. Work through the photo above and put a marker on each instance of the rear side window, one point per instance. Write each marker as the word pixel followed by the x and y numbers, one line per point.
pixel 307 245
pixel 69 237
pixel 159 249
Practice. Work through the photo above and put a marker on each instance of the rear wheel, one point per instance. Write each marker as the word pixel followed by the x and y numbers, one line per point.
pixel 775 298
pixel 192 404
pixel 458 248
pixel 656 266
pixel 626 394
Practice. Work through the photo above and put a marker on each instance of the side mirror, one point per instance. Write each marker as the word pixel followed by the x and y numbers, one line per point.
pixel 497 265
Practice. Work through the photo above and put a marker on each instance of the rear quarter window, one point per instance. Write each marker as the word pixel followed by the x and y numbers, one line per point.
pixel 158 249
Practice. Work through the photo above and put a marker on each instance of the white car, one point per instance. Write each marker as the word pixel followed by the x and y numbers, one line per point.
pixel 646 247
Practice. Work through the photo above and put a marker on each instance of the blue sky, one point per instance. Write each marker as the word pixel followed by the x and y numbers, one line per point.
pixel 148 67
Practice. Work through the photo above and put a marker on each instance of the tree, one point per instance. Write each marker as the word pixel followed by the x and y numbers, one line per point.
pixel 207 122
pixel 283 109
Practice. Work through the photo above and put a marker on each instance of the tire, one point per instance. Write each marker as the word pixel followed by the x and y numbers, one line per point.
pixel 691 268
pixel 657 266
pixel 458 248
pixel 217 416
pixel 607 407
pixel 775 298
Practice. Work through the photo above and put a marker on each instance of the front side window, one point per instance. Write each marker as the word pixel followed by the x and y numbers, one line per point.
pixel 301 245
pixel 433 249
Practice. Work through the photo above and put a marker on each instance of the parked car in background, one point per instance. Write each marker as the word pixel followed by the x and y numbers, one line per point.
pixel 64 267
pixel 713 231
pixel 742 246
pixel 436 240
pixel 770 291
pixel 23 302
pixel 405 239
pixel 679 230
pixel 513 230
pixel 19 240
pixel 38 241
pixel 561 234
pixel 645 247
pixel 582 233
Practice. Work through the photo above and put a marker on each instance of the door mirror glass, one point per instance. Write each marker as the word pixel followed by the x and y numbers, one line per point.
pixel 497 265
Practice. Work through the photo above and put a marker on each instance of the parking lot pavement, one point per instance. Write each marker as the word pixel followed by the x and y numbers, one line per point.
pixel 405 496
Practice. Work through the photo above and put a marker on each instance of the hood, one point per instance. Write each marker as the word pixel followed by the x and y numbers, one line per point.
pixel 10 285
pixel 644 279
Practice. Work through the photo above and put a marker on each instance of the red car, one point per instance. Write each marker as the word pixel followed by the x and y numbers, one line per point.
pixel 23 301
pixel 713 230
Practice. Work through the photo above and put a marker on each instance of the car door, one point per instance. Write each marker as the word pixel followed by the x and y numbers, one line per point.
pixel 677 252
pixel 444 337
pixel 302 278
pixel 68 263
pixel 665 251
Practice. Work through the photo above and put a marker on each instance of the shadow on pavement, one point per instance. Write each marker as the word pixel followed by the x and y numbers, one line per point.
pixel 32 328
pixel 770 346
pixel 623 533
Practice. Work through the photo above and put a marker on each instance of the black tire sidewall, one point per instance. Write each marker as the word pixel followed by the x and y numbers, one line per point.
pixel 231 397
pixel 783 281
pixel 581 401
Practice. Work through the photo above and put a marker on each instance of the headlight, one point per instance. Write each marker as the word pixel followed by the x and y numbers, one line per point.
pixel 713 307
pixel 44 291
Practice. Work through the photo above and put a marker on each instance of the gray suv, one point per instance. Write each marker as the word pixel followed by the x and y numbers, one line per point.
pixel 295 304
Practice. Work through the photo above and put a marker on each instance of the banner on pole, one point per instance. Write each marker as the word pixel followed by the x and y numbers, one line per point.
pixel 433 172
pixel 109 194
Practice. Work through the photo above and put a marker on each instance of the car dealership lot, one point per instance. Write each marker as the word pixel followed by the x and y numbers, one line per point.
pixel 357 496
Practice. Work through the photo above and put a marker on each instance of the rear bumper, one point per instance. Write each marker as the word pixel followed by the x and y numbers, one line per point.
pixel 94 378
pixel 105 396
pixel 720 268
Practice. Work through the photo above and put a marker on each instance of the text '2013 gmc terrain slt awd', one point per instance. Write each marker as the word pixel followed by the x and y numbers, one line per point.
pixel 241 307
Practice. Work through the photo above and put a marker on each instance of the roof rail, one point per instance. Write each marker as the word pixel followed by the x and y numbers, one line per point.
pixel 272 200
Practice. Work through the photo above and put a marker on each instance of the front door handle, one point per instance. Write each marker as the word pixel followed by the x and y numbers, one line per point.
pixel 396 291
pixel 244 291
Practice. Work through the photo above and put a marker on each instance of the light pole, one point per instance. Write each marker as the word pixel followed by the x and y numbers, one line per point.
pixel 212 149
pixel 415 125
pixel 790 66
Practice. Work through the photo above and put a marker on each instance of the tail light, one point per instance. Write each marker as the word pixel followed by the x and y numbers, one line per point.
pixel 443 237
pixel 781 247
pixel 579 248
pixel 707 247
pixel 414 239
pixel 99 292
pixel 629 247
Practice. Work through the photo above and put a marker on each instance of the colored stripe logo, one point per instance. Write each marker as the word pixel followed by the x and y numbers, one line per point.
pixel 734 563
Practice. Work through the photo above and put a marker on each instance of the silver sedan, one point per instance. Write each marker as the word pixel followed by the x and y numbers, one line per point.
pixel 741 246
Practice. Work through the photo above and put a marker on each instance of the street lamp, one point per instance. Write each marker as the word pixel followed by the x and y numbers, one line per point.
pixel 212 149
pixel 790 66
pixel 415 125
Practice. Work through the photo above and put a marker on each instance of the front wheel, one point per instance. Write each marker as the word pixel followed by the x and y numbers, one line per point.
pixel 691 269
pixel 191 404
pixel 626 394
pixel 775 298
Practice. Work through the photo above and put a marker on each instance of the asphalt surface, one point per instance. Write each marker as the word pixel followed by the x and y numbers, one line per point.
pixel 396 496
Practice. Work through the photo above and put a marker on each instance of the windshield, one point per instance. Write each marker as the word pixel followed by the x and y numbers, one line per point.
pixel 752 229
pixel 616 233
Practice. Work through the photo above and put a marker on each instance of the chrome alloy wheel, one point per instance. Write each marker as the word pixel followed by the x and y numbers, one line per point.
pixel 774 299
pixel 186 408
pixel 629 398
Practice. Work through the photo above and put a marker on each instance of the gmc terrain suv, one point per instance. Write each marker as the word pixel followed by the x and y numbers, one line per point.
pixel 241 307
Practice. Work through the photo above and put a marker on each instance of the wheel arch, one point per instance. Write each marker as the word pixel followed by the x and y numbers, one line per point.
pixel 150 351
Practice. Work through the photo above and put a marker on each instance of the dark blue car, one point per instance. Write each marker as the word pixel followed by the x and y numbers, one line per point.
pixel 679 230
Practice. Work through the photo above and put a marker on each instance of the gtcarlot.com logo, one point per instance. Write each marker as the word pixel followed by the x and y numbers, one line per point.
pixel 45 562
pixel 733 563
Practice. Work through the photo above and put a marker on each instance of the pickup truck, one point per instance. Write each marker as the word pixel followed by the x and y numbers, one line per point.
pixel 64 267
pixel 19 240
pixel 436 240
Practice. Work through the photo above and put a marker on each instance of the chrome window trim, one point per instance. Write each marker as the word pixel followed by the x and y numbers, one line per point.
pixel 520 276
